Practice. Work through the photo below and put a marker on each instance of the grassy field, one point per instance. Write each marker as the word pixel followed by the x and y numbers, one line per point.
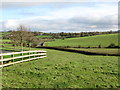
pixel 66 69
pixel 44 36
pixel 63 70
pixel 92 41
pixel 99 50
pixel 4 40
pixel 10 47
pixel 4 33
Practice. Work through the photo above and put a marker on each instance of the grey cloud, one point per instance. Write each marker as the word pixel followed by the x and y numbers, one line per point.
pixel 67 26
pixel 28 4
pixel 19 4
pixel 105 20
pixel 75 24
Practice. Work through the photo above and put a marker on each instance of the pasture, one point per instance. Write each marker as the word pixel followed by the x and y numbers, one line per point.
pixel 9 47
pixel 44 36
pixel 99 50
pixel 91 41
pixel 63 70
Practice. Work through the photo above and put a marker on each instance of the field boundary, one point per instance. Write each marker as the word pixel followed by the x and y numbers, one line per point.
pixel 80 51
pixel 29 55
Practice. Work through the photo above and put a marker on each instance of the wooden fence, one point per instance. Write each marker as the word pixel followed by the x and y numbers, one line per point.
pixel 18 57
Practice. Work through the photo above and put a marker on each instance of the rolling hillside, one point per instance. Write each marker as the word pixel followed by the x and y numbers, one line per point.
pixel 94 41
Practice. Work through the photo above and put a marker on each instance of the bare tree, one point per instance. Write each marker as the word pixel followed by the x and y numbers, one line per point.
pixel 36 41
pixel 14 39
pixel 23 36
pixel 29 38
pixel 18 37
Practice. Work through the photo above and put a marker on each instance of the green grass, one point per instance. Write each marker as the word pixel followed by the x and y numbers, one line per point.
pixel 10 47
pixel 17 48
pixel 98 50
pixel 94 41
pixel 4 33
pixel 63 70
pixel 44 36
pixel 5 40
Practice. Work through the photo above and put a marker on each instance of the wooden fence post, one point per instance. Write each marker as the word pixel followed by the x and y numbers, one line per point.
pixel 2 61
pixel 13 57
pixel 22 55
pixel 34 53
pixel 29 56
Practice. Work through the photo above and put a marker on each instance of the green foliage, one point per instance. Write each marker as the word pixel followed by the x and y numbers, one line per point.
pixel 63 70
pixel 62 35
pixel 99 46
pixel 112 45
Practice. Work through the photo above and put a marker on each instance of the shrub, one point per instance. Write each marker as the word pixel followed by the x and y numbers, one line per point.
pixel 112 45
pixel 79 46
pixel 88 46
pixel 99 46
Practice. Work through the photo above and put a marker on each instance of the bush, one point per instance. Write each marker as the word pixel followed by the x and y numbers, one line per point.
pixel 112 45
pixel 79 46
pixel 88 47
pixel 99 46
pixel 67 46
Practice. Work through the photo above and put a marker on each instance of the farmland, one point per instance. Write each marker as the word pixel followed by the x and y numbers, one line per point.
pixel 44 36
pixel 60 45
pixel 63 70
pixel 99 50
pixel 92 41
pixel 10 47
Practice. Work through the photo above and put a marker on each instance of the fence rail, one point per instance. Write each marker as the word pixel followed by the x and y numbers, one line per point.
pixel 11 58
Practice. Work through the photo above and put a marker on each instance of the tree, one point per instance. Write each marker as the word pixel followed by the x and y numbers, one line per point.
pixel 14 39
pixel 22 36
pixel 29 38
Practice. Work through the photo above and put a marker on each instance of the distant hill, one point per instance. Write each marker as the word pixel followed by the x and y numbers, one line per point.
pixel 92 41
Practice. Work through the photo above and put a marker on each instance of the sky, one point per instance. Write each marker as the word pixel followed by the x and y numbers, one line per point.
pixel 60 16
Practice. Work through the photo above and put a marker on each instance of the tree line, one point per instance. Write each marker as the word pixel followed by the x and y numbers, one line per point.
pixel 63 35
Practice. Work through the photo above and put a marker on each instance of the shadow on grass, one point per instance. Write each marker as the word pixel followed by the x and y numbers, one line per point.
pixel 79 51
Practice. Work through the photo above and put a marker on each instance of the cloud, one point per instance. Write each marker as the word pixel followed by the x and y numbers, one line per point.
pixel 61 1
pixel 19 4
pixel 101 17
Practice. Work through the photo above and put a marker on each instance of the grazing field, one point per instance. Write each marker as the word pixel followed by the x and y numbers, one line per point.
pixel 99 50
pixel 4 40
pixel 4 33
pixel 9 47
pixel 44 36
pixel 63 70
pixel 92 41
